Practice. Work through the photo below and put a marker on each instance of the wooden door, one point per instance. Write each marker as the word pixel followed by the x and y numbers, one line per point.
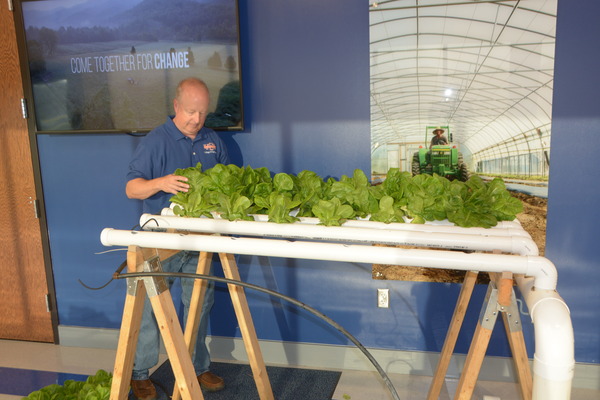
pixel 24 306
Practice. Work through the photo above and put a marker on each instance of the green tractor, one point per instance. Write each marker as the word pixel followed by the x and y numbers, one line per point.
pixel 442 157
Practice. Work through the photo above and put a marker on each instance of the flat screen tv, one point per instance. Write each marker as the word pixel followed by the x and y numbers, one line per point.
pixel 113 65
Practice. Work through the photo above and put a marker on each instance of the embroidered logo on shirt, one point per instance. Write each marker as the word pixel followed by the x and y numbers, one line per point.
pixel 210 147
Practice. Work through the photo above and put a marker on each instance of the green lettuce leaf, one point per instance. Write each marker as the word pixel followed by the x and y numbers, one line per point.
pixel 332 212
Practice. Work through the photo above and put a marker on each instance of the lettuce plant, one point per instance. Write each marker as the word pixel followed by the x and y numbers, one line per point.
pixel 355 192
pixel 388 212
pixel 333 212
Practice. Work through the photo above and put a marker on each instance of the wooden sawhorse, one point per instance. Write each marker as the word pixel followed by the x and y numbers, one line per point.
pixel 500 298
pixel 178 345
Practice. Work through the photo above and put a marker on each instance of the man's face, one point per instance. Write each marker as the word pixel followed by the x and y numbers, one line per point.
pixel 191 109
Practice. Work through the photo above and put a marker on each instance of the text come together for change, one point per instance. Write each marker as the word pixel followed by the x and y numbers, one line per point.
pixel 130 62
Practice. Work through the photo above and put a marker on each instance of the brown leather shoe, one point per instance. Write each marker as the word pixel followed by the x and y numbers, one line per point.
pixel 143 390
pixel 211 382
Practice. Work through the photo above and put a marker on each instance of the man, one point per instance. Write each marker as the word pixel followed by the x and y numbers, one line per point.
pixel 438 137
pixel 181 142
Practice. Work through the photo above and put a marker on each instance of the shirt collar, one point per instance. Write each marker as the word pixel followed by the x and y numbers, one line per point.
pixel 176 134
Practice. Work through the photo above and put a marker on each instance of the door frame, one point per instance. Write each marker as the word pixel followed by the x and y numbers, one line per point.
pixel 38 202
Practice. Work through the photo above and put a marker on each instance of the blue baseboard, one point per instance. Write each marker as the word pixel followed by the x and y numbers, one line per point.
pixel 21 382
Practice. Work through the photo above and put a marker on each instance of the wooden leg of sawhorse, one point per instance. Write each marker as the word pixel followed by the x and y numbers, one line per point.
pixel 240 305
pixel 179 356
pixel 164 310
pixel 500 298
pixel 519 353
pixel 507 302
pixel 453 331
pixel 468 378
pixel 128 335
pixel 195 311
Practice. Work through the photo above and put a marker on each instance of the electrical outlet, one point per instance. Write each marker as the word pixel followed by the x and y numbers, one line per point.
pixel 383 298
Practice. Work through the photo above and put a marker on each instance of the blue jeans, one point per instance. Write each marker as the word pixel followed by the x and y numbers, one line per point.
pixel 148 345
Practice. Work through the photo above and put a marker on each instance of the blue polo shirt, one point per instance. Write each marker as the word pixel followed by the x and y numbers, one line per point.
pixel 166 149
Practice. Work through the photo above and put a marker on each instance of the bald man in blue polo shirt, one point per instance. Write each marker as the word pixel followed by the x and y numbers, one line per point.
pixel 181 142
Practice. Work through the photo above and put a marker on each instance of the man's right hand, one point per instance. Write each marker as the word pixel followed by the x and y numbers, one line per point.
pixel 174 184
pixel 141 189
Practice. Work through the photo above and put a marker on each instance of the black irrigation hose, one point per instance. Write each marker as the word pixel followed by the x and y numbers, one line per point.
pixel 306 307
pixel 117 272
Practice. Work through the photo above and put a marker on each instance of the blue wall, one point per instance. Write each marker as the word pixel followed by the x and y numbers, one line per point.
pixel 574 190
pixel 306 87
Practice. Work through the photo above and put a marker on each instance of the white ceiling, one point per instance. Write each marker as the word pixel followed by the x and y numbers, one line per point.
pixel 496 58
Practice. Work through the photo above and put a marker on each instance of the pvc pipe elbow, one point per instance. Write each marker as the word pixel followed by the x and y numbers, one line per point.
pixel 553 331
pixel 524 246
pixel 544 272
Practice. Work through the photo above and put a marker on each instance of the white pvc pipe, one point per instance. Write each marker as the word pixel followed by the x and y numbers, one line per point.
pixel 540 268
pixel 452 237
pixel 504 228
pixel 554 358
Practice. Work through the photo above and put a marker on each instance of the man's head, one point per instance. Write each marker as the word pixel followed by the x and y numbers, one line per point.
pixel 438 131
pixel 191 103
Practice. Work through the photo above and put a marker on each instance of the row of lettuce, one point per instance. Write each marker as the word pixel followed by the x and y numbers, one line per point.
pixel 236 193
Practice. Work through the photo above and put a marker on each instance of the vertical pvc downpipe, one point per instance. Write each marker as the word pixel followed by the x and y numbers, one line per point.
pixel 554 357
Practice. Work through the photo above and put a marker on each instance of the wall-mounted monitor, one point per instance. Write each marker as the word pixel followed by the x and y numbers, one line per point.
pixel 113 65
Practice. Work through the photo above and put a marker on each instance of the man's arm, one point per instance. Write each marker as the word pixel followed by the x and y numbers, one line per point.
pixel 141 189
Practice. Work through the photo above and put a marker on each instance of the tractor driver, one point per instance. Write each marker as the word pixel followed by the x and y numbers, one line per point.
pixel 438 137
